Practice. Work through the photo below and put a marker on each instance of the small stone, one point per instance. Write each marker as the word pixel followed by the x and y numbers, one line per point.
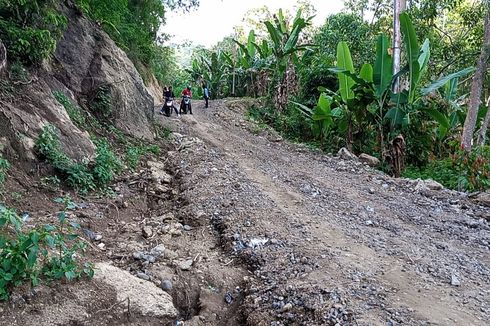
pixel 97 237
pixel 371 190
pixel 288 306
pixel 101 246
pixel 187 227
pixel 170 254
pixel 147 232
pixel 166 285
pixel 175 232
pixel 143 276
pixel 158 251
pixel 185 265
pixel 455 281
pixel 369 223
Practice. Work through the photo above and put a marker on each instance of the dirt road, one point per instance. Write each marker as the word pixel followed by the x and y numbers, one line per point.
pixel 332 242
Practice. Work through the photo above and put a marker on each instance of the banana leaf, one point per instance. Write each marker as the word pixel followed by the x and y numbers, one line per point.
pixel 344 61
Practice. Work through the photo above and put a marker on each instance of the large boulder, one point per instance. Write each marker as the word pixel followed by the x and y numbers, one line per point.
pixel 369 160
pixel 87 59
pixel 85 62
pixel 146 298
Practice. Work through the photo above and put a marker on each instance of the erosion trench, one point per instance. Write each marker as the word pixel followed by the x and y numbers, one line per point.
pixel 330 242
pixel 235 226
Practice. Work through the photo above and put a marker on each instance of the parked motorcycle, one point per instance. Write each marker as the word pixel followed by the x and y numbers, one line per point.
pixel 167 107
pixel 186 107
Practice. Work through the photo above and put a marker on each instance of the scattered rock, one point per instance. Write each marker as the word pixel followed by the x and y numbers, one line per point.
pixel 185 265
pixel 143 276
pixel 288 306
pixel 455 280
pixel 187 227
pixel 166 285
pixel 482 198
pixel 158 173
pixel 158 251
pixel 345 154
pixel 369 160
pixel 170 254
pixel 143 256
pixel 429 184
pixel 147 232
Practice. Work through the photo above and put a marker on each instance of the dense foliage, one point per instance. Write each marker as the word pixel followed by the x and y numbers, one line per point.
pixel 339 82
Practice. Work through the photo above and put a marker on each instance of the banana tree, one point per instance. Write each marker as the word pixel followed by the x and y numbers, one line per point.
pixel 284 48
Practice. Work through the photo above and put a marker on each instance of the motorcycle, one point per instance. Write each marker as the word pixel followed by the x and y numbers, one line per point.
pixel 186 105
pixel 167 107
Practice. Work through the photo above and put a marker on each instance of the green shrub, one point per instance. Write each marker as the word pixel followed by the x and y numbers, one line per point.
pixel 30 29
pixel 462 171
pixel 101 105
pixel 107 165
pixel 80 176
pixel 27 255
pixel 74 112
pixel 134 154
pixel 4 167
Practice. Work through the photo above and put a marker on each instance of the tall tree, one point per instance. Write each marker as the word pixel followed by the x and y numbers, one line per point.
pixel 476 88
pixel 398 7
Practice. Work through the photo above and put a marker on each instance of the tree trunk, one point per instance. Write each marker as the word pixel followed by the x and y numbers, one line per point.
pixel 476 89
pixel 398 7
pixel 482 133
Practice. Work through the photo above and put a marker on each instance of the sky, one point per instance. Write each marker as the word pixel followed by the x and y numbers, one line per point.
pixel 215 19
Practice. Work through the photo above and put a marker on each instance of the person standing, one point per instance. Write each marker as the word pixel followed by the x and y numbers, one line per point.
pixel 172 94
pixel 205 92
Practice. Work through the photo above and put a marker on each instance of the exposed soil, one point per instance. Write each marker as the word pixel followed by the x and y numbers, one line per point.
pixel 259 231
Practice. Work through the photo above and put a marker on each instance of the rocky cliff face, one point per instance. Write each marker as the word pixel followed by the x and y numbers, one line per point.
pixel 86 60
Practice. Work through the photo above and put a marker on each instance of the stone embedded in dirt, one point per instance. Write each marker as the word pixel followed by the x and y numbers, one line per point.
pixel 143 276
pixel 158 251
pixel 158 173
pixel 369 160
pixel 170 254
pixel 139 255
pixel 482 198
pixel 161 189
pixel 147 232
pixel 345 154
pixel 185 265
pixel 288 306
pixel 369 223
pixel 187 227
pixel 145 298
pixel 101 246
pixel 371 190
pixel 455 280
pixel 429 184
pixel 166 285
